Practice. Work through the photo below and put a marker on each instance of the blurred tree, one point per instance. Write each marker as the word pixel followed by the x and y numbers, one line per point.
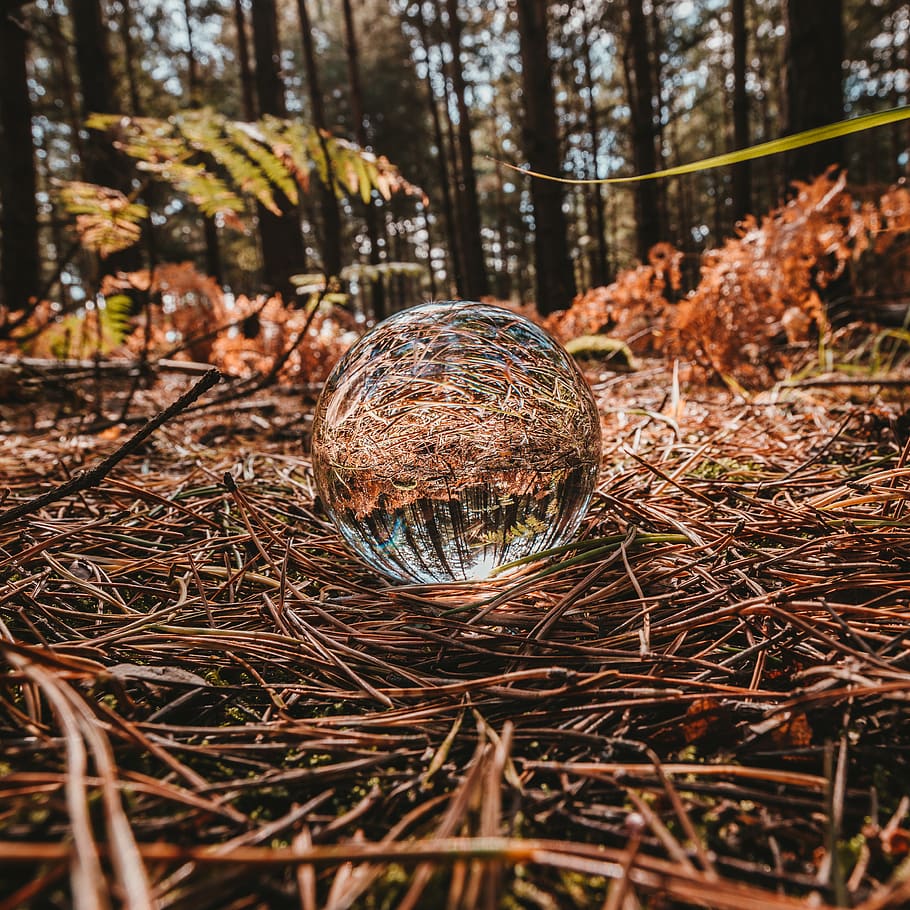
pixel 19 220
pixel 637 64
pixel 96 84
pixel 283 253
pixel 655 26
pixel 101 163
pixel 555 281
pixel 213 265
pixel 742 173
pixel 442 159
pixel 243 58
pixel 814 81
pixel 476 284
pixel 599 266
pixel 331 215
pixel 462 281
pixel 377 294
pixel 130 61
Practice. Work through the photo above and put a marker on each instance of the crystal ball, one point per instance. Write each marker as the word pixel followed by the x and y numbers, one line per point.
pixel 454 438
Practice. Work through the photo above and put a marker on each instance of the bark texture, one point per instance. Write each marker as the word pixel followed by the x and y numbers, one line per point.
pixel 283 253
pixel 19 263
pixel 555 281
pixel 814 81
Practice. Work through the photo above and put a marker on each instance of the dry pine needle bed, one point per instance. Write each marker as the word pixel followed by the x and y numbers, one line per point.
pixel 207 703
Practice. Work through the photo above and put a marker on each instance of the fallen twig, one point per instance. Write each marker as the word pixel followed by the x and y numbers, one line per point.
pixel 88 479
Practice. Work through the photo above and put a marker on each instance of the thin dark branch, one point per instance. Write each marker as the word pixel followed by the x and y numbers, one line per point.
pixel 88 479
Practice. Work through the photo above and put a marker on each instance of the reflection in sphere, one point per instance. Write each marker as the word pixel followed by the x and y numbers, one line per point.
pixel 454 438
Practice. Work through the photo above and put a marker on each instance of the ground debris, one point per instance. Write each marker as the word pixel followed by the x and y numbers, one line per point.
pixel 207 700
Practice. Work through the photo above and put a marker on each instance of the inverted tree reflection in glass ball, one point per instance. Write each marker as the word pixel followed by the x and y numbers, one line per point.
pixel 454 438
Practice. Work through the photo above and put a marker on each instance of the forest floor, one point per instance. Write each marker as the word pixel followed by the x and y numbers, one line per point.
pixel 206 702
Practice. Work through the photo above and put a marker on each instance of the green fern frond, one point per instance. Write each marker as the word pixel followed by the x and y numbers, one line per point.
pixel 318 157
pixel 106 220
pixel 161 150
pixel 289 140
pixel 205 131
pixel 253 142
pixel 90 331
pixel 209 192
pixel 218 162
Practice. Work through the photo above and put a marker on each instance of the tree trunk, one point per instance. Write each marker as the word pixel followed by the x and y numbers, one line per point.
pixel 476 283
pixel 598 258
pixel 461 269
pixel 243 57
pixel 502 279
pixel 377 294
pixel 96 85
pixel 331 215
pixel 655 45
pixel 213 264
pixel 102 163
pixel 453 269
pixel 742 173
pixel 61 50
pixel 19 225
pixel 152 194
pixel 814 81
pixel 641 103
pixel 555 280
pixel 283 253
pixel 129 50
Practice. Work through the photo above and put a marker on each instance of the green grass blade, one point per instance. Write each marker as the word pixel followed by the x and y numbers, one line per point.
pixel 762 150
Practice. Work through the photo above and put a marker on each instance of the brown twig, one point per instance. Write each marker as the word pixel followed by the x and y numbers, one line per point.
pixel 88 479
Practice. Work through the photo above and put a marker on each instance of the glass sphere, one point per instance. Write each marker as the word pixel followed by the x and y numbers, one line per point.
pixel 454 438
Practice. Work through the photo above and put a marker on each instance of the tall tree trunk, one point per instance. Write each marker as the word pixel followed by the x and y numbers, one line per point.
pixel 655 46
pixel 453 270
pixel 243 57
pixel 19 253
pixel 461 268
pixel 213 264
pixel 555 279
pixel 331 214
pixel 814 81
pixel 599 268
pixel 641 103
pixel 283 253
pixel 742 173
pixel 96 85
pixel 360 134
pixel 152 193
pixel 476 283
pixel 61 50
pixel 502 279
pixel 765 182
pixel 129 50
pixel 102 163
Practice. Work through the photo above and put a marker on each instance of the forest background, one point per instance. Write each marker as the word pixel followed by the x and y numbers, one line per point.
pixel 206 701
pixel 455 96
